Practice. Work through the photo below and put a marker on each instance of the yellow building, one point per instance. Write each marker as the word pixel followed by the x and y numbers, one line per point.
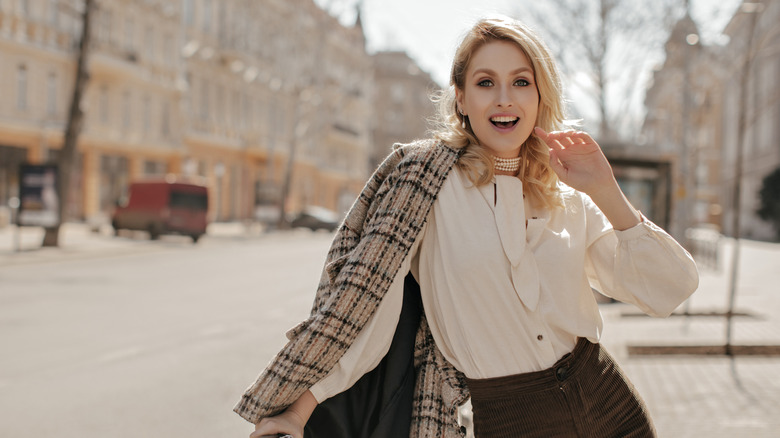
pixel 218 91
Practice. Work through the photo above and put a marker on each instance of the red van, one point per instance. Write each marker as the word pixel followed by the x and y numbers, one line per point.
pixel 163 207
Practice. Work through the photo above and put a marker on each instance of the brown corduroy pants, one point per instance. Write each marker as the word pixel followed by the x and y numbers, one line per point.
pixel 585 394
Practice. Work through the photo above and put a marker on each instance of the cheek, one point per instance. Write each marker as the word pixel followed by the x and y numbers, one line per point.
pixel 531 103
pixel 477 102
pixel 531 97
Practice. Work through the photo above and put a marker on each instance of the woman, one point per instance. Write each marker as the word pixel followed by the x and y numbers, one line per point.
pixel 505 223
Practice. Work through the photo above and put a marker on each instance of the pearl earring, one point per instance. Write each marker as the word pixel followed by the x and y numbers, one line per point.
pixel 463 121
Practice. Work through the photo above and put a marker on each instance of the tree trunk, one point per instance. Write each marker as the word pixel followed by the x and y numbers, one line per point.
pixel 73 127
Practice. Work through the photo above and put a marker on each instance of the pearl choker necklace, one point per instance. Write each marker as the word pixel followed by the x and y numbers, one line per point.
pixel 507 164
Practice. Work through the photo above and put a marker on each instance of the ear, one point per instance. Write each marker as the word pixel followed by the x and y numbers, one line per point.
pixel 459 101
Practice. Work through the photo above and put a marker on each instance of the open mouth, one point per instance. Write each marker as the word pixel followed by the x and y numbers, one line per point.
pixel 504 121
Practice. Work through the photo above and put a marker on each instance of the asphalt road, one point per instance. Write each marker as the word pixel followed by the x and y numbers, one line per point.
pixel 158 340
pixel 123 337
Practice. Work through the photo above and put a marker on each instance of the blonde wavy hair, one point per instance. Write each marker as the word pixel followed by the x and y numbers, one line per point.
pixel 539 181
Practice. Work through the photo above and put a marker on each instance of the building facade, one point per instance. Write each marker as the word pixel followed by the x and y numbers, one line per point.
pixel 683 101
pixel 695 108
pixel 236 94
pixel 403 108
pixel 753 54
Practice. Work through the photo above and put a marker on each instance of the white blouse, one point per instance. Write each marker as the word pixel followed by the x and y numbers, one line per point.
pixel 506 287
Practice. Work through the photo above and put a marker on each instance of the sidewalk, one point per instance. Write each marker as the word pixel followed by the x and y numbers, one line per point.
pixel 23 245
pixel 710 395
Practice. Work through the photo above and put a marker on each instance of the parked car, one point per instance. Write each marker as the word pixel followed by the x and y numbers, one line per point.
pixel 316 218
pixel 163 207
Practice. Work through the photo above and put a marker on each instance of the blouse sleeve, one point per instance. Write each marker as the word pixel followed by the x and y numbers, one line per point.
pixel 642 265
pixel 373 342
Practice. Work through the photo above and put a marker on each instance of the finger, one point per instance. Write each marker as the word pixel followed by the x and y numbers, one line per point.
pixel 585 137
pixel 551 139
pixel 565 138
pixel 556 165
pixel 555 144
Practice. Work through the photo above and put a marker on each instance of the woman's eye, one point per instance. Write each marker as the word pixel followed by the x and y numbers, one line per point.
pixel 522 82
pixel 485 83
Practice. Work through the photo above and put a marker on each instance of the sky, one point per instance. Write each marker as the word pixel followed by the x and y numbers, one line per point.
pixel 430 30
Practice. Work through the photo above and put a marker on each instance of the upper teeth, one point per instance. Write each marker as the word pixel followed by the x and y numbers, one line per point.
pixel 503 119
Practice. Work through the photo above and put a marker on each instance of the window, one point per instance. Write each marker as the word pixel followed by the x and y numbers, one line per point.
pixel 149 43
pixel 165 123
pixel 222 25
pixel 103 103
pixel 204 107
pixel 187 12
pixel 168 52
pixel 237 116
pixel 53 12
pixel 103 26
pixel 126 113
pixel 106 24
pixel 219 105
pixel 147 109
pixel 21 88
pixel 189 201
pixel 207 16
pixel 129 35
pixel 51 94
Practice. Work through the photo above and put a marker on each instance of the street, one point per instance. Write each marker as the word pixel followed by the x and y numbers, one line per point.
pixel 158 342
pixel 124 337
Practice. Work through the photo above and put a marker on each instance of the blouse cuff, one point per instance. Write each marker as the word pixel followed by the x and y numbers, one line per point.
pixel 319 392
pixel 638 230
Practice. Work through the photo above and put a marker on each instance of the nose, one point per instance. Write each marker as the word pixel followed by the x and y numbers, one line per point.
pixel 503 99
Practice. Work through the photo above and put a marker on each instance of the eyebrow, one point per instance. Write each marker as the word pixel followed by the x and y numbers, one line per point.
pixel 513 72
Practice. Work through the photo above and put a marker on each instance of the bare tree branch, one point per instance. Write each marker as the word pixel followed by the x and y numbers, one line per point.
pixel 608 41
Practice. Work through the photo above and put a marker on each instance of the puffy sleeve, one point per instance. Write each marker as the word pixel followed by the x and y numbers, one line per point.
pixel 642 265
pixel 373 342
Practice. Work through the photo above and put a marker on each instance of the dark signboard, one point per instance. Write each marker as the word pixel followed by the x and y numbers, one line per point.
pixel 39 199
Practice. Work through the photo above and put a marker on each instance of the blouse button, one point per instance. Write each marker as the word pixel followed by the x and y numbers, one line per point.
pixel 540 337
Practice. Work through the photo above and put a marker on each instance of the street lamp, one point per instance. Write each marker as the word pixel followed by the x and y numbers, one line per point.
pixel 748 8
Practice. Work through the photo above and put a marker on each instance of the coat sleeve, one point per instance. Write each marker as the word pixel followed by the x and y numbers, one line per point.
pixel 311 347
pixel 367 253
pixel 373 342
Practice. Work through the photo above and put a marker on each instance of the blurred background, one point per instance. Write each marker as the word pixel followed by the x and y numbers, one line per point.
pixel 293 103
pixel 277 112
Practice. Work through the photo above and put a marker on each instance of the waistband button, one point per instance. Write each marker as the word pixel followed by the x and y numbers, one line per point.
pixel 561 373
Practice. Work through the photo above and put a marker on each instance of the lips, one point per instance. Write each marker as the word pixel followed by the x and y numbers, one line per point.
pixel 504 121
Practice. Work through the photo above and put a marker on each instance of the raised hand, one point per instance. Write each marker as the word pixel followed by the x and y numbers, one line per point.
pixel 579 163
pixel 578 160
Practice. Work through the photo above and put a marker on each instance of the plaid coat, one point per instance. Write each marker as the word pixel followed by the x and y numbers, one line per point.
pixel 362 263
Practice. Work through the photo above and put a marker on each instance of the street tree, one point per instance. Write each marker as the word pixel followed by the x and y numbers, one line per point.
pixel 67 155
pixel 604 46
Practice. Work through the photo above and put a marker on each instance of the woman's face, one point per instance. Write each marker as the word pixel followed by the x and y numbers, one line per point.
pixel 500 97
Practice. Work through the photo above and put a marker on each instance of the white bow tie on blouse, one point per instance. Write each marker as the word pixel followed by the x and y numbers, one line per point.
pixel 519 235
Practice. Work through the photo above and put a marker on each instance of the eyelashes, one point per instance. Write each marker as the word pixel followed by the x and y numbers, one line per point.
pixel 518 82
